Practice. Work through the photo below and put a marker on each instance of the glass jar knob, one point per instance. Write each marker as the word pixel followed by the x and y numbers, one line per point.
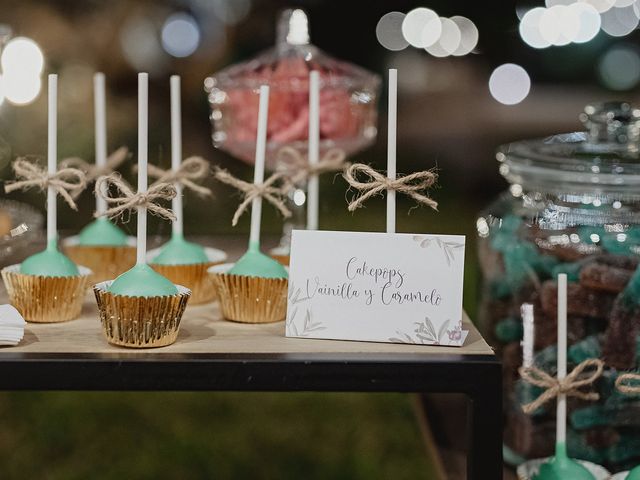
pixel 612 122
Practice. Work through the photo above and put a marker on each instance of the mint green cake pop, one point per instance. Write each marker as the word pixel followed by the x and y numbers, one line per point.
pixel 50 262
pixel 178 251
pixel 142 281
pixel 254 263
pixel 563 468
pixel 102 232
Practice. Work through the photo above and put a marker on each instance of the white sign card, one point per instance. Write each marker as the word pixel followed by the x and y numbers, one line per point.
pixel 381 287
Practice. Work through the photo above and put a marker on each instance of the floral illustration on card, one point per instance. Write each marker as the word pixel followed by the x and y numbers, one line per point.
pixel 425 333
pixel 449 248
pixel 300 325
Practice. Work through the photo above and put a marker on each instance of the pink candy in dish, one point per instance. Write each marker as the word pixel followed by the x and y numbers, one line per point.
pixel 348 97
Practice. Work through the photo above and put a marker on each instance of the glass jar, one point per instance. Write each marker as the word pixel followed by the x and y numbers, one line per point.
pixel 573 206
pixel 348 97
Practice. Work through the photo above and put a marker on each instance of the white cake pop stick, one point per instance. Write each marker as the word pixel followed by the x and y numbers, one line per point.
pixel 176 152
pixel 314 149
pixel 100 131
pixel 561 414
pixel 391 148
pixel 52 159
pixel 143 125
pixel 258 174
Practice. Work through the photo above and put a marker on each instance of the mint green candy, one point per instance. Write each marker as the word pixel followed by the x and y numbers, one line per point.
pixel 102 232
pixel 142 281
pixel 178 251
pixel 509 330
pixel 563 468
pixel 49 263
pixel 634 474
pixel 254 263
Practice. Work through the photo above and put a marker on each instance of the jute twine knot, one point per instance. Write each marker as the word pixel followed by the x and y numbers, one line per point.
pixel 266 190
pixel 628 383
pixel 298 168
pixel 191 169
pixel 64 181
pixel 93 171
pixel 569 386
pixel 376 183
pixel 130 200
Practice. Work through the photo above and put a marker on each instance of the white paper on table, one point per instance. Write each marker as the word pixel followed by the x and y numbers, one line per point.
pixel 382 287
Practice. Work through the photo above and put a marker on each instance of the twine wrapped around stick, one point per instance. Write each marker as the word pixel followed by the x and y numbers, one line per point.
pixel 298 168
pixel 411 185
pixel 30 174
pixel 131 200
pixel 266 190
pixel 93 171
pixel 568 386
pixel 191 169
pixel 628 383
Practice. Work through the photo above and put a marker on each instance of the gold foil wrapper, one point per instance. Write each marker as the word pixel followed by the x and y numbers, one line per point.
pixel 529 469
pixel 43 299
pixel 140 322
pixel 106 262
pixel 195 277
pixel 283 259
pixel 251 299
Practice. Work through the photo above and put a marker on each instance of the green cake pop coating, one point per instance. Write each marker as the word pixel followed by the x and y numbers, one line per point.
pixel 142 281
pixel 49 263
pixel 634 474
pixel 563 468
pixel 102 232
pixel 178 251
pixel 254 263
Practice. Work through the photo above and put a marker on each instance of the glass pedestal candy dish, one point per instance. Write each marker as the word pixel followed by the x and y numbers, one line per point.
pixel 573 207
pixel 348 102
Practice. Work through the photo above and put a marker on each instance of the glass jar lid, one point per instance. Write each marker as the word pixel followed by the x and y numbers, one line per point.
pixel 603 159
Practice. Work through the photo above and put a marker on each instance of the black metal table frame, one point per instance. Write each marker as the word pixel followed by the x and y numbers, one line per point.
pixel 477 376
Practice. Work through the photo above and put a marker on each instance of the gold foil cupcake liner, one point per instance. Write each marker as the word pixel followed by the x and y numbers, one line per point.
pixel 280 254
pixel 140 322
pixel 283 259
pixel 530 468
pixel 250 299
pixel 194 276
pixel 43 299
pixel 106 262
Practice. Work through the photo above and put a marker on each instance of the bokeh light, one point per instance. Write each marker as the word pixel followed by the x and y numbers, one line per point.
pixel 180 35
pixel 509 84
pixel 529 28
pixel 231 12
pixel 468 35
pixel 601 5
pixel 450 36
pixel 559 26
pixel 589 20
pixel 389 31
pixel 619 22
pixel 420 27
pixel 1 90
pixel 22 54
pixel 619 68
pixel 21 88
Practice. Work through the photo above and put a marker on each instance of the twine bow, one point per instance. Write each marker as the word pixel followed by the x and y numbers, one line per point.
pixel 300 169
pixel 569 386
pixel 130 199
pixel 628 383
pixel 266 190
pixel 29 174
pixel 192 168
pixel 93 171
pixel 376 183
